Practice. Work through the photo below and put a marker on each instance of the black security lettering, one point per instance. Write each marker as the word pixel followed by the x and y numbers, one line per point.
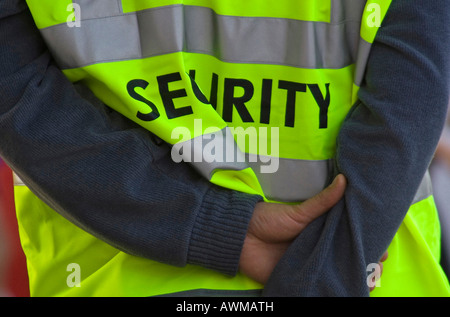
pixel 167 96
pixel 140 83
pixel 266 97
pixel 214 87
pixel 292 89
pixel 197 92
pixel 323 103
pixel 229 100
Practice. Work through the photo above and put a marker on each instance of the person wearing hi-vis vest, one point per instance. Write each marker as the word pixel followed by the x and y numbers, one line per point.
pixel 160 146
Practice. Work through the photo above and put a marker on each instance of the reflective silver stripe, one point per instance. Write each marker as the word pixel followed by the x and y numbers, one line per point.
pixel 361 61
pixel 294 180
pixel 425 189
pixel 178 28
pixel 353 10
pixel 227 154
pixel 281 179
pixel 298 180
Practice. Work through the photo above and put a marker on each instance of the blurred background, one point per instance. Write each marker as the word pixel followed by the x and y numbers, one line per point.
pixel 13 272
pixel 440 177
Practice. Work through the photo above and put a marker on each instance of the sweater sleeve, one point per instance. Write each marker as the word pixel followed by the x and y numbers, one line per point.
pixel 101 171
pixel 384 148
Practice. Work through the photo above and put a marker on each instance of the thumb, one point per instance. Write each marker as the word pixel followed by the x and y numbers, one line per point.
pixel 323 201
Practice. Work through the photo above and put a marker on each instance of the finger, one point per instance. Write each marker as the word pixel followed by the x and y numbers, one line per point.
pixel 381 267
pixel 376 278
pixel 384 257
pixel 325 200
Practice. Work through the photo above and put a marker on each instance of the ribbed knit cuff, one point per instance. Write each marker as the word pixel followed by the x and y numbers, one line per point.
pixel 220 229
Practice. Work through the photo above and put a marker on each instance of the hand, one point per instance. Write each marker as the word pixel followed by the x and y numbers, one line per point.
pixel 274 226
pixel 443 152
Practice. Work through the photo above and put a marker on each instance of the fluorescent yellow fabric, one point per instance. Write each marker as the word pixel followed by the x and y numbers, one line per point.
pixel 412 268
pixel 52 243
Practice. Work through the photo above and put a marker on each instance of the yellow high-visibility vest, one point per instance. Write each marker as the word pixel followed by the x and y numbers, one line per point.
pixel 251 95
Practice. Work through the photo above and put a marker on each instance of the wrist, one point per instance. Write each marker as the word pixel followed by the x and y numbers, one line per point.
pixel 220 230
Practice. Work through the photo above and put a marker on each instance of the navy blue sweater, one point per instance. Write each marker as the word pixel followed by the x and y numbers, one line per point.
pixel 117 181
